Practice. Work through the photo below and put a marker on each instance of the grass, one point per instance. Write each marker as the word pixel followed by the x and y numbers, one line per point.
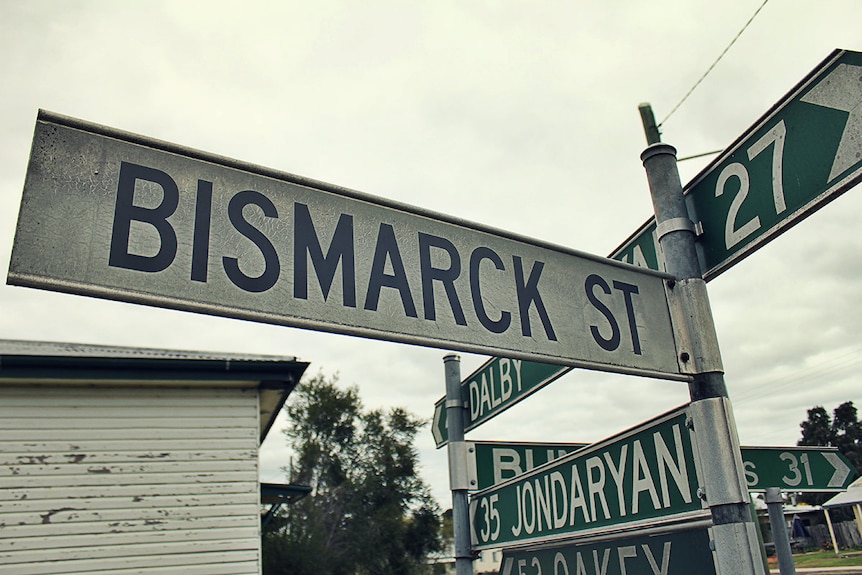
pixel 849 558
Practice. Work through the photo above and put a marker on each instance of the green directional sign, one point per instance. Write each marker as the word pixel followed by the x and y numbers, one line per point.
pixel 496 386
pixel 497 461
pixel 641 248
pixel 800 155
pixel 684 552
pixel 636 477
pixel 797 468
pixel 808 468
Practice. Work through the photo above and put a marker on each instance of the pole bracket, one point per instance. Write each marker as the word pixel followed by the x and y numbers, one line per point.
pixel 462 466
pixel 674 225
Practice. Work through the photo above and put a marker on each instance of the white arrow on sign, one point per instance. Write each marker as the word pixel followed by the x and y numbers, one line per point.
pixel 842 90
pixel 841 470
pixel 435 427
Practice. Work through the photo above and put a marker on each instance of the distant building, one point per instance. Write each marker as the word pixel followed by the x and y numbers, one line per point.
pixel 488 561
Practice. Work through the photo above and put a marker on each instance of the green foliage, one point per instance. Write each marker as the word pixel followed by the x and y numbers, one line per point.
pixel 369 511
pixel 843 430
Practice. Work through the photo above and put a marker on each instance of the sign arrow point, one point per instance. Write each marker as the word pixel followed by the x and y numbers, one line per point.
pixel 842 471
pixel 842 90
pixel 435 427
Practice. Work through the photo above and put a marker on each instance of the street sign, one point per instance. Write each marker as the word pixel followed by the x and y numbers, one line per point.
pixel 497 461
pixel 496 386
pixel 120 216
pixel 683 552
pixel 638 477
pixel 803 153
pixel 797 468
pixel 808 468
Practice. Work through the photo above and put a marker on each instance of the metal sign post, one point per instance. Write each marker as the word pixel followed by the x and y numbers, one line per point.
pixel 724 490
pixel 775 507
pixel 459 481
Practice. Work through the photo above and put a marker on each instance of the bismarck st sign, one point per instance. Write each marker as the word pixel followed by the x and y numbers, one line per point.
pixel 116 215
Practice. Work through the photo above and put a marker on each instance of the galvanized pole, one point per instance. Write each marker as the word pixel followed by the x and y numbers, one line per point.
pixel 724 490
pixel 458 475
pixel 775 506
pixel 653 136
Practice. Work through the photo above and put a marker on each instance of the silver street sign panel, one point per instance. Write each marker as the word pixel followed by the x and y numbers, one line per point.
pixel 120 216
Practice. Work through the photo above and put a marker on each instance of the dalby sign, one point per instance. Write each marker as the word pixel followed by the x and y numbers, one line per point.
pixel 116 215
pixel 496 386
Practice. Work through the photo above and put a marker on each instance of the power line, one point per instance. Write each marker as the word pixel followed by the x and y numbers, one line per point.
pixel 846 362
pixel 699 155
pixel 720 56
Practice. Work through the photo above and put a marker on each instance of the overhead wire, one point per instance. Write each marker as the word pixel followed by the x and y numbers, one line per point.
pixel 717 60
pixel 846 362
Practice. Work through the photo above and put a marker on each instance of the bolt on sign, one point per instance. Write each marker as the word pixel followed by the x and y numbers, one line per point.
pixel 641 476
pixel 121 216
pixel 682 552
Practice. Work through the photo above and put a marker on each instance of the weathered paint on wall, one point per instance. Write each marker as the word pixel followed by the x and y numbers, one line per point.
pixel 125 479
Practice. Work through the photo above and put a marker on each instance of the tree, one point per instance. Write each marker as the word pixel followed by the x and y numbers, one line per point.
pixel 369 511
pixel 843 430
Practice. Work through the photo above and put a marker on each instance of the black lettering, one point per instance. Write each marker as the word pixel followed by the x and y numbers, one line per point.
pixel 387 249
pixel 628 290
pixel 446 276
pixel 528 293
pixel 479 254
pixel 613 342
pixel 201 241
pixel 272 268
pixel 306 243
pixel 125 212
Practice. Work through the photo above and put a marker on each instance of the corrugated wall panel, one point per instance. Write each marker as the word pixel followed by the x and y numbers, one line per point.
pixel 129 480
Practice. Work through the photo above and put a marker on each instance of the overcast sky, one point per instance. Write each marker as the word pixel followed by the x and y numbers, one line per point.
pixel 518 115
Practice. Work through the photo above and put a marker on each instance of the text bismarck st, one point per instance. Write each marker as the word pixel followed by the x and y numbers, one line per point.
pixel 158 224
pixel 248 207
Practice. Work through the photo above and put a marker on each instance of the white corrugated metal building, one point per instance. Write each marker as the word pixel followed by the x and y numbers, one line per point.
pixel 126 460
